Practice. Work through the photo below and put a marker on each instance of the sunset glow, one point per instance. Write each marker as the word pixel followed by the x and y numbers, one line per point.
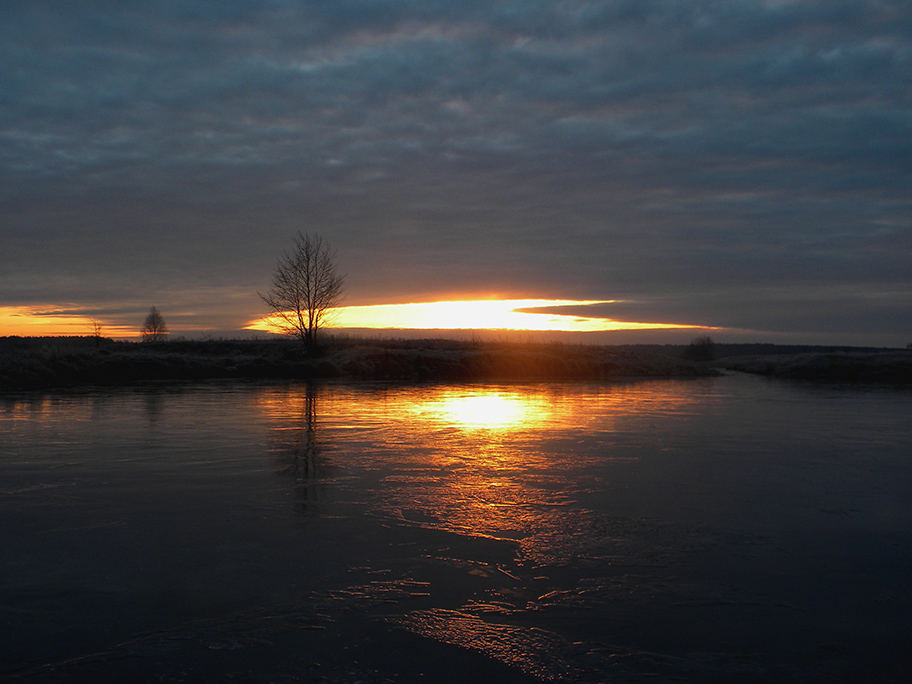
pixel 30 321
pixel 484 314
pixel 64 320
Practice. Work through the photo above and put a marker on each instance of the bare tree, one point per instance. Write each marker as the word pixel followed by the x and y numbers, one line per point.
pixel 154 328
pixel 96 332
pixel 306 286
pixel 700 349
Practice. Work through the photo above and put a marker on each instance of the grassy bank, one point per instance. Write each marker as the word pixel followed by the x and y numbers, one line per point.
pixel 881 366
pixel 47 362
pixel 27 363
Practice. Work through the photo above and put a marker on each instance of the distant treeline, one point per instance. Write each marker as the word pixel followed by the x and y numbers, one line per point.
pixel 47 362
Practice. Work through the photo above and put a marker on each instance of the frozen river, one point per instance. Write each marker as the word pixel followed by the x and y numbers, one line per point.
pixel 723 529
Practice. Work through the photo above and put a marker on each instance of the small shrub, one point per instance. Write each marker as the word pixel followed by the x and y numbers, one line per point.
pixel 700 349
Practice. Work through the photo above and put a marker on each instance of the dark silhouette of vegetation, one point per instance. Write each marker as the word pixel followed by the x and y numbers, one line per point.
pixel 97 329
pixel 851 365
pixel 700 349
pixel 306 286
pixel 154 328
pixel 55 362
pixel 48 362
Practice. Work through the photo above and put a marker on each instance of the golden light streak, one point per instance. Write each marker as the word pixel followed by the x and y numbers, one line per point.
pixel 50 321
pixel 483 314
pixel 473 487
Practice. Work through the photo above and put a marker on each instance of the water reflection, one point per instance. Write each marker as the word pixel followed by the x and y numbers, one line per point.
pixel 597 532
pixel 484 409
pixel 295 445
pixel 479 461
pixel 584 493
pixel 154 402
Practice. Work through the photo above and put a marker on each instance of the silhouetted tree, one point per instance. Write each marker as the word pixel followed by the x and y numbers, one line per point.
pixel 700 349
pixel 154 328
pixel 306 285
pixel 96 332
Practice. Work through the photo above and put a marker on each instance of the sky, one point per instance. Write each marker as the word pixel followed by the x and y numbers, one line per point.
pixel 740 166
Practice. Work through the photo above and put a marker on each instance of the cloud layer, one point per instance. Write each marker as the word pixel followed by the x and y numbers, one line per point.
pixel 734 163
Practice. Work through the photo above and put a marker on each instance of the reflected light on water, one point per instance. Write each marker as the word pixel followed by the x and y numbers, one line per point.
pixel 483 411
pixel 530 523
pixel 471 460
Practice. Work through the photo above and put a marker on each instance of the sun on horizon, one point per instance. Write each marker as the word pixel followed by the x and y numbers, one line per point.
pixel 536 315
pixel 532 315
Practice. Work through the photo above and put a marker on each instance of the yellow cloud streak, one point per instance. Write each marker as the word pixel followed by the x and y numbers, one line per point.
pixel 485 314
pixel 27 321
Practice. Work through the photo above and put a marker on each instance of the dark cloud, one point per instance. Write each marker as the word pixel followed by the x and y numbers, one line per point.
pixel 580 149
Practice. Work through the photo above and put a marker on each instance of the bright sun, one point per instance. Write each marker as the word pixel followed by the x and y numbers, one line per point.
pixel 479 314
pixel 484 314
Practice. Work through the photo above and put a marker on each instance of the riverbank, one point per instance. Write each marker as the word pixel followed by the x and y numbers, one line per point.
pixel 36 363
pixel 49 362
pixel 885 366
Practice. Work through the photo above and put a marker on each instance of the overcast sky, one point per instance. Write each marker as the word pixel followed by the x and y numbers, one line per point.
pixel 743 164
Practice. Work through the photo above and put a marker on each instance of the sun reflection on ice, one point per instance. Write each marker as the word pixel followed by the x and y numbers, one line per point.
pixel 491 411
pixel 481 461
